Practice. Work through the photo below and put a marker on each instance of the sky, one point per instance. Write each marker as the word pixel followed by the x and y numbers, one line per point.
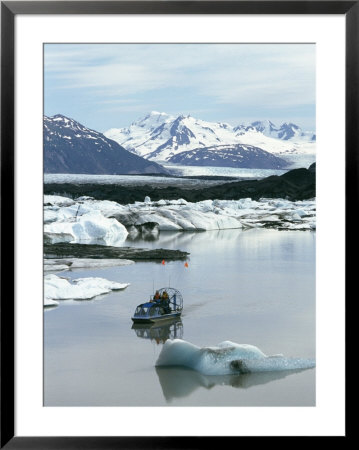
pixel 107 86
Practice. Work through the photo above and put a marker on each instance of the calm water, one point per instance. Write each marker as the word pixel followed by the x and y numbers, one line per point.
pixel 254 287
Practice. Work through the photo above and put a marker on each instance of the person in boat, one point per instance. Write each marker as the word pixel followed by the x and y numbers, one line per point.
pixel 156 296
pixel 165 300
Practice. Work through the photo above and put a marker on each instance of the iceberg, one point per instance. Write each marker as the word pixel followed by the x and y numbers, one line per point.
pixel 59 288
pixel 91 227
pixel 175 215
pixel 58 200
pixel 226 358
pixel 107 222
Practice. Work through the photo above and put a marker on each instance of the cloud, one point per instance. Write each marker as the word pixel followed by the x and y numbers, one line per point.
pixel 195 75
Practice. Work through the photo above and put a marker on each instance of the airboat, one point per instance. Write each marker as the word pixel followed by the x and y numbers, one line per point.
pixel 165 304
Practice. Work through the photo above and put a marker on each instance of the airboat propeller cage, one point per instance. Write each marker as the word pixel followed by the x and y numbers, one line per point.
pixel 175 298
pixel 160 306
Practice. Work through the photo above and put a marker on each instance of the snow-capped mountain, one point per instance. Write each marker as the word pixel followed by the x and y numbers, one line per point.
pixel 70 147
pixel 158 136
pixel 235 155
pixel 161 137
pixel 287 131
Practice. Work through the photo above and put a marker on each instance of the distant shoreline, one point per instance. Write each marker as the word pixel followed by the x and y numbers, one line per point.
pixel 296 184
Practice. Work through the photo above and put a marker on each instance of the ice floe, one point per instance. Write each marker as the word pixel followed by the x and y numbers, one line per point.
pixel 57 265
pixel 108 223
pixel 48 302
pixel 180 215
pixel 60 288
pixel 226 358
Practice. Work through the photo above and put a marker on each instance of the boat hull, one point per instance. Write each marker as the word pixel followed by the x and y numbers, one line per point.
pixel 154 319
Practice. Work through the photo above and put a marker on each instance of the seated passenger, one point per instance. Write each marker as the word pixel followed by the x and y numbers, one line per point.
pixel 164 295
pixel 156 296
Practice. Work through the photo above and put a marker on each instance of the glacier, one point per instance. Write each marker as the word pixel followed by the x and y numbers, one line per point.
pixel 226 358
pixel 178 170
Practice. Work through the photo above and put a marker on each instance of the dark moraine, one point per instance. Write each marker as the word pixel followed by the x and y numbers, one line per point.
pixel 297 184
pixel 66 250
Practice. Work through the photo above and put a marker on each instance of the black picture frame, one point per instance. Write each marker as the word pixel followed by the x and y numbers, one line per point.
pixel 9 9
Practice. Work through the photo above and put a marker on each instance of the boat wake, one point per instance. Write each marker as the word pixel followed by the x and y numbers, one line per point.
pixel 227 358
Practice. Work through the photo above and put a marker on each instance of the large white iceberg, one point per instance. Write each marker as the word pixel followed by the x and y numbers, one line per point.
pixel 58 288
pixel 91 227
pixel 226 358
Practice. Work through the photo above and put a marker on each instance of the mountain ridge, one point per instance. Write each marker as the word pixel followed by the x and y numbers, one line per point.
pixel 70 147
pixel 160 137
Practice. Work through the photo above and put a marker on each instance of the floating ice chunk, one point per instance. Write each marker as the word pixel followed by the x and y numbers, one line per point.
pixel 180 201
pixel 58 200
pixel 164 223
pixel 83 198
pixel 57 265
pixel 296 217
pixel 82 288
pixel 48 302
pixel 271 218
pixel 50 215
pixel 77 263
pixel 90 228
pixel 226 358
pixel 85 220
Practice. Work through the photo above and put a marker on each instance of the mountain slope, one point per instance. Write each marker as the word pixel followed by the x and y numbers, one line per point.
pixel 158 136
pixel 237 155
pixel 70 147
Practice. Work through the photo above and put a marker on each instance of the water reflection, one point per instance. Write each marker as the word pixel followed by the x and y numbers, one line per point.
pixel 148 231
pixel 177 382
pixel 159 332
pixel 140 237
